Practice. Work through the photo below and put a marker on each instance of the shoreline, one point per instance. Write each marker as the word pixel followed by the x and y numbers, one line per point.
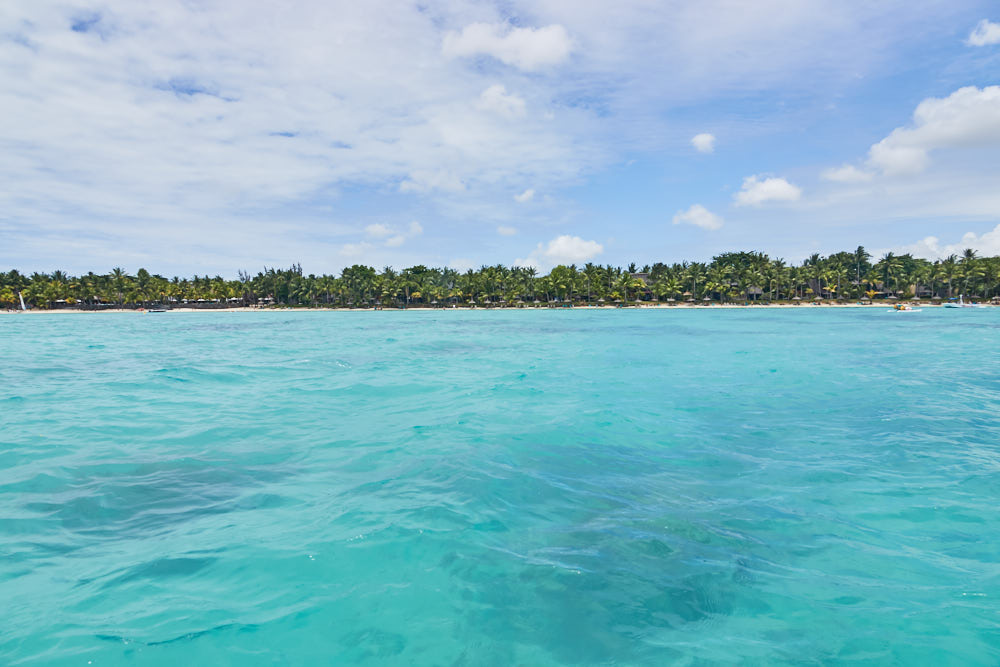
pixel 247 309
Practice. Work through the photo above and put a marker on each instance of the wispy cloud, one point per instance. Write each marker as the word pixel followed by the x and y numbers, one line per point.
pixel 525 48
pixel 497 100
pixel 847 174
pixel 378 230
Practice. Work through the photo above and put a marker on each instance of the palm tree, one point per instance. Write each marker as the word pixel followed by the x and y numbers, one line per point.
pixel 948 270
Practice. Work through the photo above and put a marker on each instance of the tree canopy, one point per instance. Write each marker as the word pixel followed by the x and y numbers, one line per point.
pixel 728 277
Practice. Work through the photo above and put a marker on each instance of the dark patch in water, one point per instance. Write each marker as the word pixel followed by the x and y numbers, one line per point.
pixel 163 568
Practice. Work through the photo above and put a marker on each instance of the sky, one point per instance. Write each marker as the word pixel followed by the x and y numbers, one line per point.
pixel 209 136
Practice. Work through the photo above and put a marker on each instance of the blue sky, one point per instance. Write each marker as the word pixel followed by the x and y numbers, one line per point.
pixel 217 135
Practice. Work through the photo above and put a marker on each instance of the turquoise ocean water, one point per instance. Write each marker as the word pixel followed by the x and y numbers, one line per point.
pixel 798 486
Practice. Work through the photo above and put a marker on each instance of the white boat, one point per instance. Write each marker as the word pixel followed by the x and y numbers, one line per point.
pixel 962 304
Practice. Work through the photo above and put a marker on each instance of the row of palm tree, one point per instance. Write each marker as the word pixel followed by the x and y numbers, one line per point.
pixel 728 277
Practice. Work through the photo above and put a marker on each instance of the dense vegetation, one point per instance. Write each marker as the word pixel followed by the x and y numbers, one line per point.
pixel 729 277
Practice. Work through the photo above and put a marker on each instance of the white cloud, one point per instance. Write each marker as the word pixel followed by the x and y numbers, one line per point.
pixel 378 230
pixel 426 181
pixel 149 130
pixel 161 126
pixel 393 238
pixel 504 230
pixel 699 216
pixel 461 264
pixel 969 117
pixel 355 250
pixel 756 192
pixel 986 244
pixel 704 142
pixel 897 159
pixel 531 260
pixel 563 249
pixel 847 174
pixel 568 249
pixel 497 100
pixel 985 33
pixel 525 196
pixel 525 48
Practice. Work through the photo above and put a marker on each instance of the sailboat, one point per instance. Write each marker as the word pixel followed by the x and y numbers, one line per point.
pixel 19 296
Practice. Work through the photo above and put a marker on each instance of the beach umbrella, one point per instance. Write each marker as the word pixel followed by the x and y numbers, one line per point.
pixel 707 299
pixel 689 300
pixel 936 297
pixel 796 298
pixel 817 298
pixel 671 300
pixel 687 294
pixel 894 297
pixel 915 298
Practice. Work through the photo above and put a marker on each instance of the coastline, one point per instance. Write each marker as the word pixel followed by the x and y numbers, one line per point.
pixel 245 309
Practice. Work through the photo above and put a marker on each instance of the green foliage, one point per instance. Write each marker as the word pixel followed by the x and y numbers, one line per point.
pixel 728 277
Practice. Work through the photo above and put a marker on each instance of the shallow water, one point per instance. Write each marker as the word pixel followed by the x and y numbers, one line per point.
pixel 497 488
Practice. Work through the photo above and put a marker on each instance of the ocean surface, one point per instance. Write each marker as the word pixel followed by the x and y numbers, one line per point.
pixel 798 486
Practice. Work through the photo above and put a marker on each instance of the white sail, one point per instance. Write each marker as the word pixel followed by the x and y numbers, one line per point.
pixel 19 296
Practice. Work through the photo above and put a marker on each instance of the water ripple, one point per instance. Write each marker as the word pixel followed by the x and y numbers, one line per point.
pixel 698 487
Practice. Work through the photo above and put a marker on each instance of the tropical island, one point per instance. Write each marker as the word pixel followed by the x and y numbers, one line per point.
pixel 732 278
